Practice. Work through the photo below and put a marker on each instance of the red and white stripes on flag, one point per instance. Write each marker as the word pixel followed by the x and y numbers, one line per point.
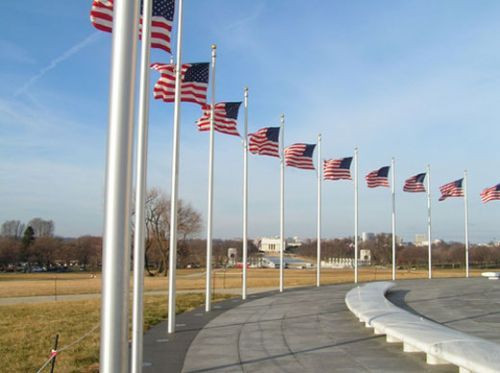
pixel 415 184
pixel 378 178
pixel 490 194
pixel 453 189
pixel 300 156
pixel 194 77
pixel 337 169
pixel 265 142
pixel 225 118
pixel 101 16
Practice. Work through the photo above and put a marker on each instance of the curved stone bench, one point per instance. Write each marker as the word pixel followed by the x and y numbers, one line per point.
pixel 442 345
pixel 491 275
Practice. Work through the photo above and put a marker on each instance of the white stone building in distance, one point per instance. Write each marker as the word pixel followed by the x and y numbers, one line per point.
pixel 421 240
pixel 367 236
pixel 270 245
pixel 364 259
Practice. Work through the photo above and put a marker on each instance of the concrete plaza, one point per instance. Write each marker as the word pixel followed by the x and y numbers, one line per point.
pixel 311 330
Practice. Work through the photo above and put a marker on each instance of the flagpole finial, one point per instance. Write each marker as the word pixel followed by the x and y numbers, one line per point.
pixel 214 46
pixel 246 91
pixel 282 116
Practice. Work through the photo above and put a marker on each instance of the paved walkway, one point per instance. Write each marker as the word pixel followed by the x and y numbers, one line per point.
pixel 302 330
pixel 470 305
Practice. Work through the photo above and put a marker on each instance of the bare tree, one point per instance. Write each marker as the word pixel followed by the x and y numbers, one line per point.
pixel 12 229
pixel 9 252
pixel 45 250
pixel 42 228
pixel 157 210
pixel 88 252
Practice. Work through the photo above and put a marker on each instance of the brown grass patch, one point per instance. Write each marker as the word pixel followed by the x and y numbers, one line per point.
pixel 27 331
pixel 19 285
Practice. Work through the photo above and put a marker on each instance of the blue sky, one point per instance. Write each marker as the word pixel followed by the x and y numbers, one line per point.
pixel 417 80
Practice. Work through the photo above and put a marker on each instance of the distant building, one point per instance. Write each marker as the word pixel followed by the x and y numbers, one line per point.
pixel 367 236
pixel 399 240
pixel 294 242
pixel 270 245
pixel 364 259
pixel 274 262
pixel 421 240
pixel 232 256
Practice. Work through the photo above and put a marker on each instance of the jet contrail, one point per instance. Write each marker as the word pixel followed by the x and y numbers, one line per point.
pixel 70 52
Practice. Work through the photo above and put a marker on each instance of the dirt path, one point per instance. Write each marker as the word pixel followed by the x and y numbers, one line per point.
pixel 77 297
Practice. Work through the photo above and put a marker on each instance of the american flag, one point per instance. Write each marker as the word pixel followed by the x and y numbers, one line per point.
pixel 101 16
pixel 378 178
pixel 337 169
pixel 415 184
pixel 491 194
pixel 453 189
pixel 225 118
pixel 265 142
pixel 300 156
pixel 194 77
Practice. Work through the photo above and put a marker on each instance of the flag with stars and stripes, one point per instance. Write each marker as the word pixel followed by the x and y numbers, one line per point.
pixel 490 194
pixel 337 169
pixel 453 189
pixel 300 156
pixel 265 142
pixel 415 184
pixel 101 16
pixel 194 78
pixel 225 118
pixel 378 178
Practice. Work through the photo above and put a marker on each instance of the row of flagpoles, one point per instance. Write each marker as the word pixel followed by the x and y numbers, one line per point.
pixel 189 83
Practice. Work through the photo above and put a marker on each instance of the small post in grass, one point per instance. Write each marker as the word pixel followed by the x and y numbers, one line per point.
pixel 54 354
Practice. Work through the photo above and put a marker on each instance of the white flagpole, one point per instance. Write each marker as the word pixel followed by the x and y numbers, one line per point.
pixel 140 198
pixel 208 288
pixel 466 208
pixel 245 198
pixel 393 219
pixel 318 248
pixel 282 200
pixel 355 215
pixel 429 221
pixel 172 263
pixel 114 355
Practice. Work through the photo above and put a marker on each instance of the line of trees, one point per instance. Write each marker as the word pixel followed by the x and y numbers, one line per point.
pixel 38 227
pixel 444 254
pixel 33 246
pixel 24 247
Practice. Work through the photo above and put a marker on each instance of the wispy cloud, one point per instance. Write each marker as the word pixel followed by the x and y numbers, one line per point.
pixel 53 64
pixel 13 52
pixel 245 20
